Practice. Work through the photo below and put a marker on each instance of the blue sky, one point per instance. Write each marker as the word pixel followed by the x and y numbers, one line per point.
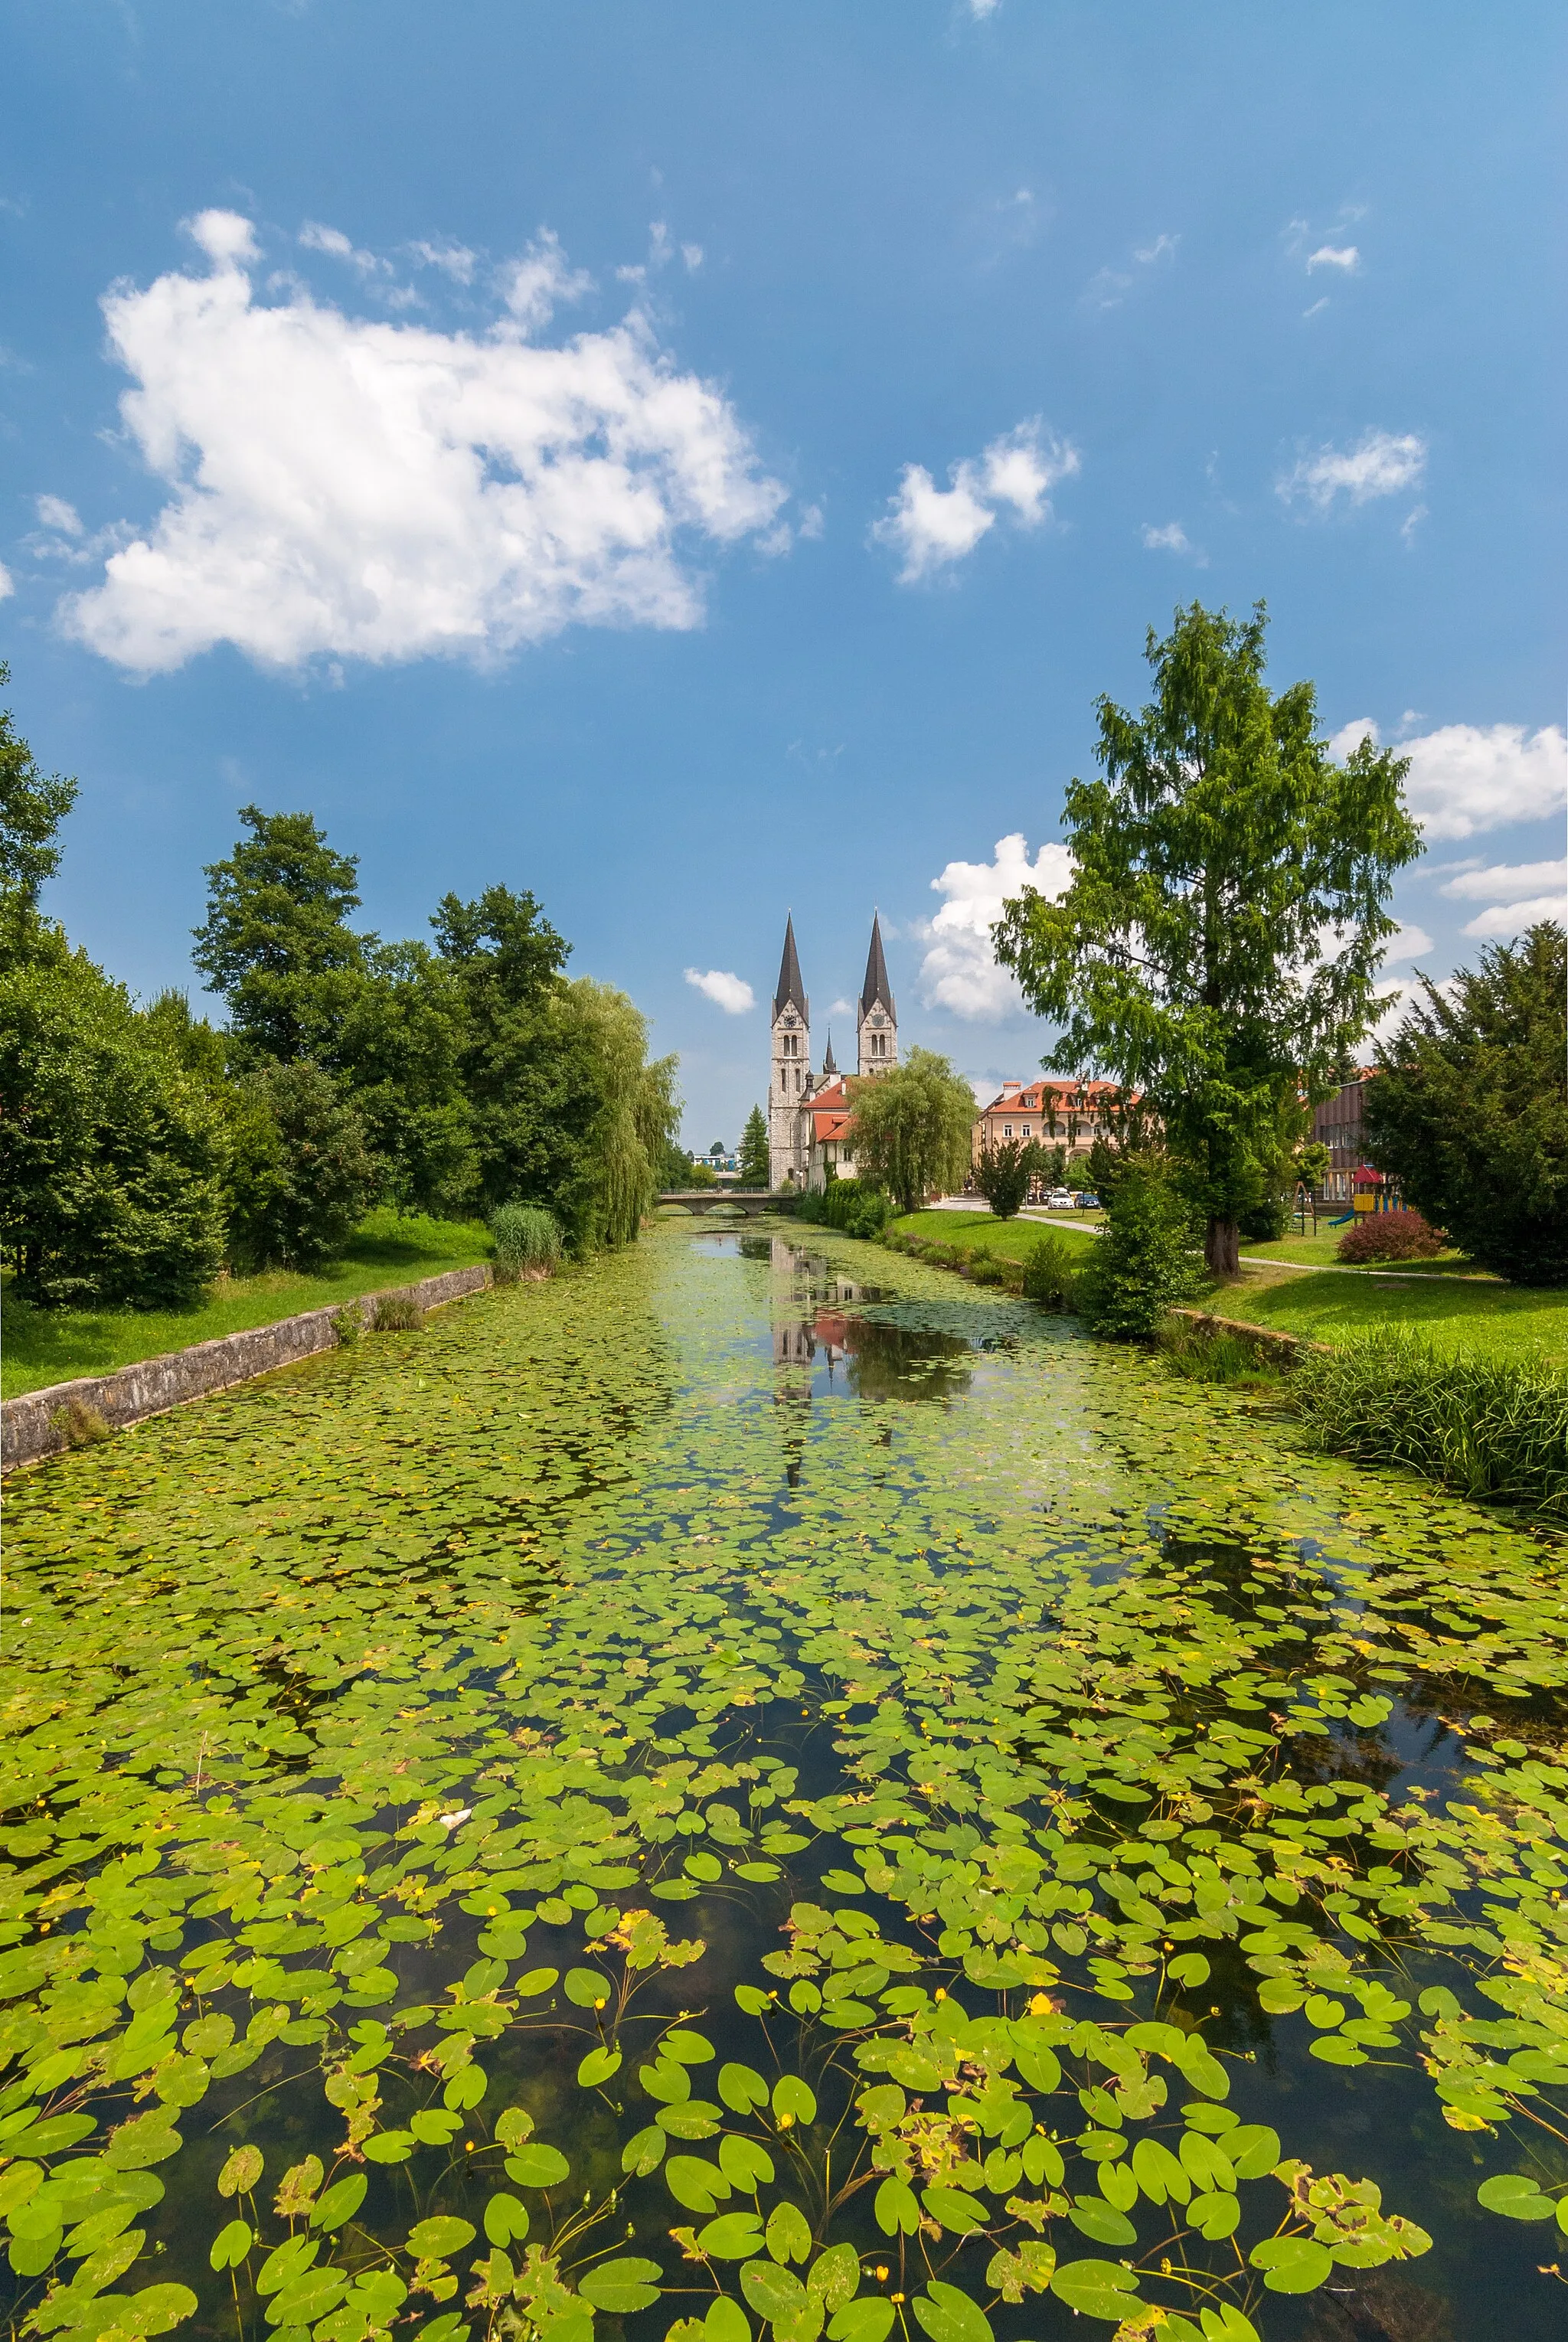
pixel 703 462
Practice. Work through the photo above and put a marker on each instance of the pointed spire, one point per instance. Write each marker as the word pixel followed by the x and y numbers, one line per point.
pixel 789 975
pixel 829 1068
pixel 876 986
pixel 789 988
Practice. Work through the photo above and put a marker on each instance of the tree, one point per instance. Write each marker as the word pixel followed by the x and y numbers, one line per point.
pixel 1142 1262
pixel 111 1155
pixel 32 804
pixel 532 1096
pixel 1003 1175
pixel 1468 1110
pixel 301 1175
pixel 1219 940
pixel 275 945
pixel 635 1113
pixel 913 1128
pixel 755 1166
pixel 398 1052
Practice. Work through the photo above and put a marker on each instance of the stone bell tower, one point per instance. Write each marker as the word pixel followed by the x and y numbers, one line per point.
pixel 789 1080
pixel 876 1018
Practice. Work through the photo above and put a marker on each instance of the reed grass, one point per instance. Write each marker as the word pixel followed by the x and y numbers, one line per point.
pixel 527 1236
pixel 398 1313
pixel 1492 1428
pixel 1223 1357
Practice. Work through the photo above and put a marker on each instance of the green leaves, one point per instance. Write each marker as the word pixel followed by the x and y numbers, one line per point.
pixel 1291 2263
pixel 599 2066
pixel 947 2314
pixel 232 2244
pixel 537 2165
pixel 439 2237
pixel 1102 2289
pixel 621 2287
pixel 793 2102
pixel 341 2201
pixel 1516 2198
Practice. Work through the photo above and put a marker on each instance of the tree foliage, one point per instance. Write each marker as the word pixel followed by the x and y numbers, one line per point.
pixel 275 945
pixel 1002 1174
pixel 32 804
pixel 755 1166
pixel 1142 1262
pixel 302 1176
pixel 913 1128
pixel 1219 941
pixel 1469 1109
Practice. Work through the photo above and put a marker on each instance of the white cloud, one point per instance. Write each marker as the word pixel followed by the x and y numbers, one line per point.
pixel 1171 538
pixel 931 526
pixel 1506 920
pixel 1380 465
pixel 1316 308
pixel 1163 246
pixel 535 288
pixel 7 582
pixel 693 254
pixel 313 237
pixel 1108 286
pixel 1342 256
pixel 1509 882
pixel 981 9
pixel 54 512
pixel 730 993
pixel 454 260
pixel 358 488
pixel 1468 777
pixel 229 241
pixel 1408 942
pixel 960 971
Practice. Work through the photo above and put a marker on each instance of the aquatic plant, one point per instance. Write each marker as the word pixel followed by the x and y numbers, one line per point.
pixel 398 1313
pixel 1492 1429
pixel 655 1842
pixel 525 1237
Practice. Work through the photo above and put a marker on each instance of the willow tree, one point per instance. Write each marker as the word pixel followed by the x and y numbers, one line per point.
pixel 913 1128
pixel 1219 943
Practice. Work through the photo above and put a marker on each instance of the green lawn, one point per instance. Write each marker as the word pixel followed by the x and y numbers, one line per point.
pixel 1322 1251
pixel 38 1347
pixel 1457 1312
pixel 978 1232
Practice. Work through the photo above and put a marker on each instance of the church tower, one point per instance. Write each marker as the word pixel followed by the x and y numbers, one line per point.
pixel 789 1081
pixel 876 1019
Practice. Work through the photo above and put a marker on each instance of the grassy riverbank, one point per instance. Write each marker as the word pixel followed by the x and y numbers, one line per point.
pixel 973 1235
pixel 39 1346
pixel 1475 1314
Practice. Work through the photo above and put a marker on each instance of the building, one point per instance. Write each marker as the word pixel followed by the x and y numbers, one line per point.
pixel 1337 1123
pixel 810 1119
pixel 1054 1113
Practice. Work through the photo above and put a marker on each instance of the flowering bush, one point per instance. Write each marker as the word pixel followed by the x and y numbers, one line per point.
pixel 1392 1235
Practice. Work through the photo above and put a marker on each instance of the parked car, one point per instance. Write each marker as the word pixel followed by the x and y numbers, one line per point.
pixel 1059 1199
pixel 1087 1200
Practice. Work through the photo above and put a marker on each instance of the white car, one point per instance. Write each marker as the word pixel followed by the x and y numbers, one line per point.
pixel 1060 1199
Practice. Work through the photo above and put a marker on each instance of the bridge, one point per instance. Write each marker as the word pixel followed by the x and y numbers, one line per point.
pixel 747 1201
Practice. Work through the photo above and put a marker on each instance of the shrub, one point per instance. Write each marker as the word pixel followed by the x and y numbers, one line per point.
pixel 985 1268
pixel 1391 1236
pixel 525 1236
pixel 1051 1274
pixel 1142 1263
pixel 347 1324
pixel 1266 1221
pixel 1488 1428
pixel 398 1313
pixel 852 1206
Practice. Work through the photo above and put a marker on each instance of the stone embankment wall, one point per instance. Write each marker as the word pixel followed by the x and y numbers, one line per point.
pixel 34 1428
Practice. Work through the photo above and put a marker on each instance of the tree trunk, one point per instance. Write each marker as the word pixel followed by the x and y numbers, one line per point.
pixel 1223 1248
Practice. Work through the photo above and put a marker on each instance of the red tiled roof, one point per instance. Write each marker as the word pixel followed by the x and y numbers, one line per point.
pixel 1067 1097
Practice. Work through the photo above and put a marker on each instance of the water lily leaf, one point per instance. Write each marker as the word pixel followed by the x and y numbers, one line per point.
pixel 1214 2215
pixel 241 2172
pixel 389 2147
pixel 1101 2222
pixel 789 2236
pixel 537 2165
pixel 1188 1969
pixel 746 2162
pixel 341 2201
pixel 1291 2263
pixel 949 2316
pixel 158 2309
pixel 793 2102
pixel 732 2236
pixel 437 2239
pixel 1515 2197
pixel 897 2208
pixel 505 2220
pixel 742 2087
pixel 231 2244
pixel 1101 2289
pixel 833 2276
pixel 643 2152
pixel 862 2321
pixel 588 1989
pixel 598 2067
pixel 621 2287
pixel 697 2183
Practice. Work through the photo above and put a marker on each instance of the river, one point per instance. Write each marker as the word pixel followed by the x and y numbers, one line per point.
pixel 754 1788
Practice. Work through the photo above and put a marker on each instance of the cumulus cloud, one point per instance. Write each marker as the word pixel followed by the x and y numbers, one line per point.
pixel 1469 778
pixel 7 582
pixel 356 489
pixel 1381 463
pixel 1516 894
pixel 960 971
pixel 1343 256
pixel 730 993
pixel 931 527
pixel 454 260
pixel 1171 538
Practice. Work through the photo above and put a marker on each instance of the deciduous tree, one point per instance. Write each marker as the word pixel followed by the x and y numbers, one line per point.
pixel 913 1128
pixel 1220 938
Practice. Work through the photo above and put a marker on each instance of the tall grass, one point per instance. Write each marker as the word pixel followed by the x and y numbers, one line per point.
pixel 1487 1428
pixel 527 1236
pixel 1224 1358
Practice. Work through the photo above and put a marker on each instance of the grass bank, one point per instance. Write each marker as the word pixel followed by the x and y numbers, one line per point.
pixel 39 1346
pixel 965 1239
pixel 1479 1317
pixel 1322 1251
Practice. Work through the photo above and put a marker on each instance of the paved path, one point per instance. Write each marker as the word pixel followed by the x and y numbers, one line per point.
pixel 1334 1268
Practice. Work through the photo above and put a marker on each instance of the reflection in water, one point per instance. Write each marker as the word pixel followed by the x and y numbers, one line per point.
pixel 830 1348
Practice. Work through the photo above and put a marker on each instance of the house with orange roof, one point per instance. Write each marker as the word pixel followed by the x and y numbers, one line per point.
pixel 1052 1112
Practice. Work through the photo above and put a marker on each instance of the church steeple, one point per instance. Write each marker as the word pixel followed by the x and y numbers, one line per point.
pixel 789 988
pixel 789 1080
pixel 876 1018
pixel 829 1064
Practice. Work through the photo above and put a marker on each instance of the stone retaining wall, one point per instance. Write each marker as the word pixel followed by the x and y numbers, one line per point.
pixel 1264 1338
pixel 31 1427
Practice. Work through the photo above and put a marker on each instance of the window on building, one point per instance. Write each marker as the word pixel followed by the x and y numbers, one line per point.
pixel 1007 1130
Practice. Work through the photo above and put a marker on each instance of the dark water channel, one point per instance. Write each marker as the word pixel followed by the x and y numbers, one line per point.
pixel 460 1793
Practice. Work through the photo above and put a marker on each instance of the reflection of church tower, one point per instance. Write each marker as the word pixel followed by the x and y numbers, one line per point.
pixel 876 1021
pixel 790 1078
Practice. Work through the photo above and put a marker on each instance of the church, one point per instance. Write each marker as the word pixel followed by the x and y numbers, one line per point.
pixel 810 1119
